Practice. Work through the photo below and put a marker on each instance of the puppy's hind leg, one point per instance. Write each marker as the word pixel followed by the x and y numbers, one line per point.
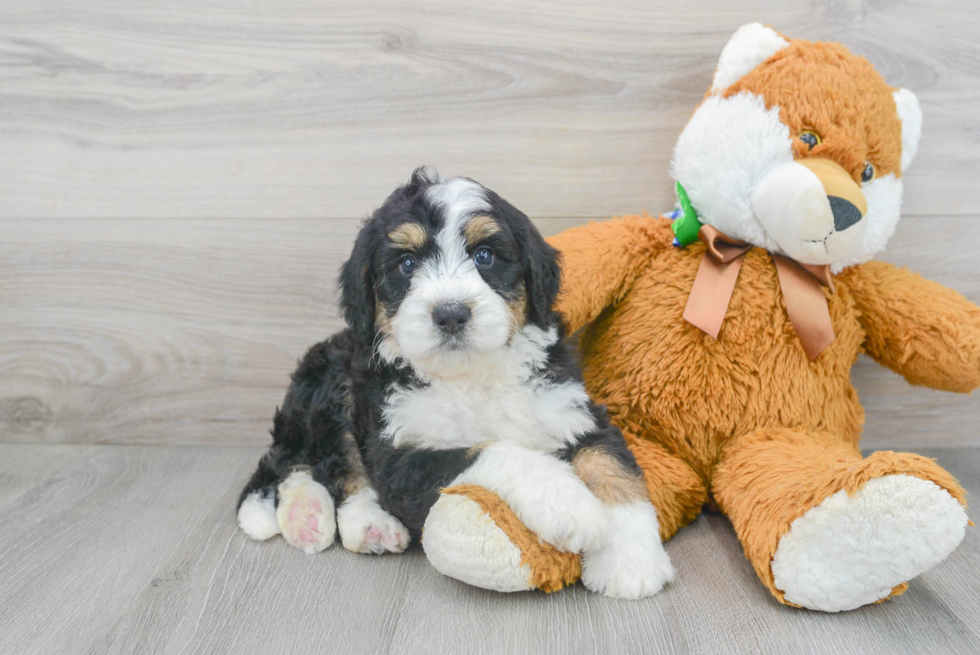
pixel 314 461
pixel 290 493
pixel 257 503
pixel 300 479
pixel 364 526
pixel 305 513
pixel 282 498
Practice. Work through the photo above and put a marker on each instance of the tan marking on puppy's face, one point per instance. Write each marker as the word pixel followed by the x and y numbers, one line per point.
pixel 518 309
pixel 409 236
pixel 479 228
pixel 381 319
pixel 609 480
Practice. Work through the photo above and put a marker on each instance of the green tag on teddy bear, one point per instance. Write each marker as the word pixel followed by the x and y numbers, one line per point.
pixel 687 225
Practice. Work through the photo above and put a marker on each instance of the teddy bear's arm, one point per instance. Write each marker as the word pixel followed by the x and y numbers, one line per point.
pixel 600 261
pixel 916 327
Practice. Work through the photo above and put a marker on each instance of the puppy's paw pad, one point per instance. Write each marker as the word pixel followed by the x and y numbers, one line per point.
pixel 307 526
pixel 389 535
pixel 366 528
pixel 306 513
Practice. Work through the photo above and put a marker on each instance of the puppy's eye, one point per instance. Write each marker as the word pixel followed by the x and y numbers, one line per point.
pixel 811 139
pixel 407 265
pixel 483 257
pixel 868 173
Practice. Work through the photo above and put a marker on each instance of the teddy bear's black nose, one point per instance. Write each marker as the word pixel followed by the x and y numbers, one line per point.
pixel 844 211
pixel 451 318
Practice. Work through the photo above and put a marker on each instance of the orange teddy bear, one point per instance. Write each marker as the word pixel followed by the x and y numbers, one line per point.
pixel 724 355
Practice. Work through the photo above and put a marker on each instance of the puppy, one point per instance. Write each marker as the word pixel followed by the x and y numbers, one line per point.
pixel 452 371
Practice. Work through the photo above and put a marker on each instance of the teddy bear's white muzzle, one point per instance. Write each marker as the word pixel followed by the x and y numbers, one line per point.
pixel 812 210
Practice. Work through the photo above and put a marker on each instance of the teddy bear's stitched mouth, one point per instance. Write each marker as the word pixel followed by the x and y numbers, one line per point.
pixel 823 241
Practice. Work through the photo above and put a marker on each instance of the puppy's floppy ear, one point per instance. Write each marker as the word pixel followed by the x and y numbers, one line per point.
pixel 542 270
pixel 542 278
pixel 540 262
pixel 357 287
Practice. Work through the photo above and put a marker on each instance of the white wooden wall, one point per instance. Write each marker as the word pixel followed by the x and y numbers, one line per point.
pixel 180 180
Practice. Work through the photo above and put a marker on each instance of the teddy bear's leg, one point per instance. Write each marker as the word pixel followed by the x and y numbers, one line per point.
pixel 675 489
pixel 472 535
pixel 826 529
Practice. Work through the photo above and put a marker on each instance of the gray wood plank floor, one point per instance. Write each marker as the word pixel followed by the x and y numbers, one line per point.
pixel 134 549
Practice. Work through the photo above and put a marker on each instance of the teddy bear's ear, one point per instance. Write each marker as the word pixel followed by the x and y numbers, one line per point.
pixel 751 45
pixel 910 113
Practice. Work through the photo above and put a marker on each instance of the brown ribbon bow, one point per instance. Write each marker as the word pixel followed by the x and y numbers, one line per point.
pixel 806 304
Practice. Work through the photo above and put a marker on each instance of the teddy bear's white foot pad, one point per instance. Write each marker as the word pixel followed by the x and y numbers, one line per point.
pixel 306 513
pixel 849 551
pixel 366 528
pixel 632 563
pixel 463 542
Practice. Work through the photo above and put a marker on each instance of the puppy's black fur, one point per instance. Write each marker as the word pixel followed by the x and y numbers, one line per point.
pixel 340 386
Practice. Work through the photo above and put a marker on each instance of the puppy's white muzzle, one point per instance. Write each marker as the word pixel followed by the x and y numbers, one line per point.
pixel 430 328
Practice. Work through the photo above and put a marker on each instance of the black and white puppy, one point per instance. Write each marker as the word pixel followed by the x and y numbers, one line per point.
pixel 452 370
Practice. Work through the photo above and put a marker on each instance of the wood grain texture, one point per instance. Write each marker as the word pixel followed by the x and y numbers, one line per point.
pixel 134 549
pixel 177 187
pixel 185 331
pixel 318 108
pixel 80 540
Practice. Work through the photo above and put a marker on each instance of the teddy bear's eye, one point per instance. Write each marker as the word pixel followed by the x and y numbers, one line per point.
pixel 810 138
pixel 868 173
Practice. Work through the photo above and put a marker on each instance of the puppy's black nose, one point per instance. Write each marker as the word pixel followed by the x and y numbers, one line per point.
pixel 451 318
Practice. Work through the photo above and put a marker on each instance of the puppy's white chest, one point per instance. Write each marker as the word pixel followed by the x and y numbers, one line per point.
pixel 458 414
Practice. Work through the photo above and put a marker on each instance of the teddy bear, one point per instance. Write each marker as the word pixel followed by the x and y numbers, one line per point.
pixel 721 339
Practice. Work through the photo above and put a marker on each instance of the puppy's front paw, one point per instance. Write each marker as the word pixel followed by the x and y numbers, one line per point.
pixel 543 491
pixel 565 514
pixel 306 513
pixel 632 562
pixel 366 528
